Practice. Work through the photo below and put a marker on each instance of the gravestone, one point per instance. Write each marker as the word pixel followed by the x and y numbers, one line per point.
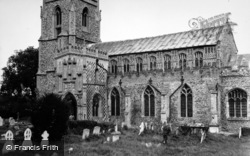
pixel 27 138
pixel 142 127
pixel 85 134
pixel 146 125
pixel 96 130
pixel 8 145
pixel 115 138
pixel 1 121
pixel 45 140
pixel 123 125
pixel 108 139
pixel 240 132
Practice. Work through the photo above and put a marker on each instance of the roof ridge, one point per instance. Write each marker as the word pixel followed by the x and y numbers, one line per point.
pixel 156 36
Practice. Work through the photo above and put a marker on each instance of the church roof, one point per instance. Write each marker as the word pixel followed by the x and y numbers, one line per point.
pixel 193 38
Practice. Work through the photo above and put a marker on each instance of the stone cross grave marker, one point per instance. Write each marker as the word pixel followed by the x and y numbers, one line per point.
pixel 1 121
pixel 45 140
pixel 96 130
pixel 115 138
pixel 85 133
pixel 27 138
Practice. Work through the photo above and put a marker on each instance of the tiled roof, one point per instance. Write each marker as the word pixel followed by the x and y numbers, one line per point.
pixel 194 38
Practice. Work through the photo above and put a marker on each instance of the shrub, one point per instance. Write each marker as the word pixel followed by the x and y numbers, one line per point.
pixel 51 114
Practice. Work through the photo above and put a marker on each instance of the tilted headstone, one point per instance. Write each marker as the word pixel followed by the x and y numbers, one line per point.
pixel 1 121
pixel 115 138
pixel 96 130
pixel 85 133
pixel 142 127
pixel 8 146
pixel 45 140
pixel 27 138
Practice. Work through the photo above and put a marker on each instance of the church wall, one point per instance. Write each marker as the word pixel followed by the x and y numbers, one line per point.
pixel 232 80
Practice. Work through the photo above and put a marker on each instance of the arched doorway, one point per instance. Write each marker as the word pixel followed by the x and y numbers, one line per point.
pixel 72 104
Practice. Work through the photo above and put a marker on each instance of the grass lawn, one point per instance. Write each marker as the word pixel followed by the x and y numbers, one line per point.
pixel 132 144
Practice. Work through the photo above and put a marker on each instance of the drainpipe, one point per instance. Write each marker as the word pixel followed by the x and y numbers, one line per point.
pixel 182 80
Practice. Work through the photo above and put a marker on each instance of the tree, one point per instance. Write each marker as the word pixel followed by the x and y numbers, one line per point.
pixel 20 72
pixel 51 114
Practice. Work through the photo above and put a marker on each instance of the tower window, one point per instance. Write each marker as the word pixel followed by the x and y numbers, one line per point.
pixel 183 61
pixel 85 17
pixel 198 59
pixel 237 100
pixel 167 62
pixel 126 66
pixel 138 64
pixel 152 63
pixel 115 103
pixel 58 20
pixel 149 102
pixel 186 102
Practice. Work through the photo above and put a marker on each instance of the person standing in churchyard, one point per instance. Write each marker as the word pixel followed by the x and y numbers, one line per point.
pixel 166 129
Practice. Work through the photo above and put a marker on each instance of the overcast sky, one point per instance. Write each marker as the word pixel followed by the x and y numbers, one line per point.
pixel 123 19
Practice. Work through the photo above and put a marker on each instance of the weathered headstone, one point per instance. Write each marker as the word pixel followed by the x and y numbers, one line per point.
pixel 123 125
pixel 240 132
pixel 27 138
pixel 85 133
pixel 45 140
pixel 96 130
pixel 8 146
pixel 142 127
pixel 146 125
pixel 108 139
pixel 1 121
pixel 115 138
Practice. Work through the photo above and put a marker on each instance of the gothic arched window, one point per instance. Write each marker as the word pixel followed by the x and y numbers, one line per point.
pixel 149 102
pixel 183 61
pixel 115 103
pixel 58 20
pixel 186 101
pixel 113 69
pixel 198 59
pixel 96 104
pixel 85 17
pixel 167 62
pixel 237 100
pixel 126 65
pixel 152 63
pixel 138 64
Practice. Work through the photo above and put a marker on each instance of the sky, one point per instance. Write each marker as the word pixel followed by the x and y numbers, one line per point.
pixel 20 24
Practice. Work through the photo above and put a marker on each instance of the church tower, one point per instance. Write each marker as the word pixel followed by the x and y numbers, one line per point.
pixel 66 65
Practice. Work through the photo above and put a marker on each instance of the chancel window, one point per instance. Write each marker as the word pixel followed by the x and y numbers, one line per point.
pixel 237 100
pixel 85 17
pixel 152 63
pixel 198 59
pixel 186 101
pixel 149 102
pixel 58 20
pixel 167 62
pixel 183 61
pixel 126 65
pixel 96 104
pixel 115 103
pixel 113 68
pixel 138 64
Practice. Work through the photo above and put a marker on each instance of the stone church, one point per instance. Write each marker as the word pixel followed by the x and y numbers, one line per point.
pixel 183 78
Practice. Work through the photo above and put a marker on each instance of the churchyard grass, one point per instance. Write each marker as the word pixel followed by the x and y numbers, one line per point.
pixel 132 144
